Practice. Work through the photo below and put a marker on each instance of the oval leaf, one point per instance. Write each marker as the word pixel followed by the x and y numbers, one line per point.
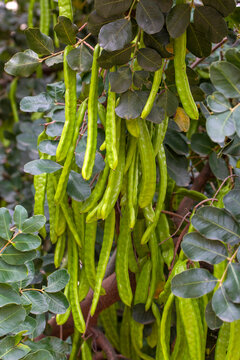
pixel 226 78
pixel 225 309
pixel 19 216
pixel 8 295
pixel 115 35
pixel 10 317
pixel 27 242
pixel 57 302
pixel 33 224
pixel 149 59
pixel 57 281
pixel 178 20
pixel 11 273
pixel 5 221
pixel 22 64
pixel 37 300
pixel 41 166
pixel 232 282
pixel 38 42
pixel 80 59
pixel 39 103
pixel 77 187
pixel 149 16
pixel 66 31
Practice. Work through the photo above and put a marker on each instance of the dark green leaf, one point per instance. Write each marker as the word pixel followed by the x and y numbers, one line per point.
pixel 193 283
pixel 226 78
pixel 232 203
pixel 5 221
pixel 233 148
pixel 178 20
pixel 218 103
pixel 131 104
pixel 115 35
pixel 66 31
pixel 232 282
pixel 39 355
pixel 99 163
pixel 197 43
pixel 158 42
pixel 149 16
pixel 80 59
pixel 11 273
pixel 224 7
pixel 212 320
pixel 107 9
pixel 233 56
pixel 54 129
pixel 19 216
pixel 165 5
pixel 58 59
pixel 177 166
pixel 41 324
pixel 27 242
pixel 10 317
pixel 38 42
pixel 149 59
pixel 48 147
pixel 221 125
pixel 201 144
pixel 142 316
pixel 216 224
pixel 57 302
pixel 225 309
pixel 57 281
pixel 169 102
pixel 8 295
pixel 95 22
pixel 13 256
pixel 11 349
pixel 38 301
pixel 198 248
pixel 27 327
pixel 218 166
pixel 119 57
pixel 208 21
pixel 120 80
pixel 33 224
pixel 157 114
pixel 22 63
pixel 56 90
pixel 41 166
pixel 140 77
pixel 236 118
pixel 176 142
pixel 77 187
pixel 39 103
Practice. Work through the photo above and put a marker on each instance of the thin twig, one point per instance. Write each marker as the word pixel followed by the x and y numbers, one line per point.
pixel 174 214
pixel 182 221
pixel 220 187
pixel 199 60
pixel 177 246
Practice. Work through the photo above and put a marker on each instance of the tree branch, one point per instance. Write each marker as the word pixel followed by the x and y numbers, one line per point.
pixel 104 344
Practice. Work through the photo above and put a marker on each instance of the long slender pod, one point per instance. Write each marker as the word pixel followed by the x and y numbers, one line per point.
pixel 165 327
pixel 30 13
pixel 44 17
pixel 125 340
pixel 59 250
pixel 65 8
pixel 86 351
pixel 89 253
pixel 108 318
pixel 54 22
pixel 233 351
pixel 76 341
pixel 50 191
pixel 153 245
pixel 156 313
pixel 12 98
pixel 158 137
pixel 62 318
pixel 132 146
pixel 89 157
pixel 222 342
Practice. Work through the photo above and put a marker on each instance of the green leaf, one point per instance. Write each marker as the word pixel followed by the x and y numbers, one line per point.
pixel 168 101
pixel 115 35
pixel 19 216
pixel 55 129
pixel 198 248
pixel 157 114
pixel 232 203
pixel 120 80
pixel 218 103
pixel 99 162
pixel 8 295
pixel 57 302
pixel 107 9
pixel 57 281
pixel 27 242
pixel 236 118
pixel 38 42
pixel 201 144
pixel 11 273
pixel 131 104
pixel 158 42
pixel 232 282
pixel 220 125
pixel 5 221
pixel 178 20
pixel 39 355
pixel 10 317
pixel 211 318
pixel 33 224
pixel 56 90
pixel 66 31
pixel 193 283
pixel 41 166
pixel 165 5
pixel 119 57
pixel 233 56
pixel 177 166
pixel 176 142
pixel 77 187
pixel 58 59
pixel 149 59
pixel 38 301
pixel 224 7
pixel 216 224
pixel 208 21
pixel 225 309
pixel 39 103
pixel 218 166
pixel 233 148
pixel 40 325
pixel 48 147
pixel 149 16
pixel 27 327
pixel 95 22
pixel 142 316
pixel 197 43
pixel 226 78
pixel 10 349
pixel 13 256
pixel 80 59
pixel 22 63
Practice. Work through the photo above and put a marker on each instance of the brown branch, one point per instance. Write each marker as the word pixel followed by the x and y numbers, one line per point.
pixel 199 60
pixel 104 344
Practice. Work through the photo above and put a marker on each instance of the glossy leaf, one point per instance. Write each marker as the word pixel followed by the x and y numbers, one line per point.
pixel 66 31
pixel 22 64
pixel 12 256
pixel 41 166
pixel 120 80
pixel 220 125
pixel 38 301
pixel 27 242
pixel 218 103
pixel 149 59
pixel 115 35
pixel 58 59
pixel 57 281
pixel 38 42
pixel 201 144
pixel 149 16
pixel 39 103
pixel 211 318
pixel 177 166
pixel 224 7
pixel 77 187
pixel 178 19
pixel 197 43
pixel 10 317
pixel 95 21
pixel 11 349
pixel 107 9
pixel 168 101
pixel 158 42
pixel 176 142
pixel 232 282
pixel 208 21
pixel 8 295
pixel 27 327
pixel 5 221
pixel 218 166
pixel 48 147
pixel 232 203
pixel 19 216
pixel 39 355
pixel 142 316
pixel 226 78
pixel 33 224
pixel 57 302
pixel 224 308
pixel 54 129
pixel 118 57
pixel 216 224
pixel 80 59
pixel 131 104
pixel 198 248
pixel 11 273
pixel 233 56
